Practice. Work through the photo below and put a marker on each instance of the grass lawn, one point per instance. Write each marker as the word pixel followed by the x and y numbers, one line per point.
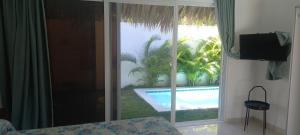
pixel 134 107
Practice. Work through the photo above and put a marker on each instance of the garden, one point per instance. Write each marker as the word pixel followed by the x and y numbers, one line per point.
pixel 198 64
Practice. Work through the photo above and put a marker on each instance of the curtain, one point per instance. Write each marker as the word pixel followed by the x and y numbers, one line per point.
pixel 3 64
pixel 25 63
pixel 225 16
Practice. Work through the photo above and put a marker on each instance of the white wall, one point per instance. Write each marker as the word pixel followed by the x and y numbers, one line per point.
pixel 276 15
pixel 278 95
pixel 294 108
pixel 240 73
pixel 253 17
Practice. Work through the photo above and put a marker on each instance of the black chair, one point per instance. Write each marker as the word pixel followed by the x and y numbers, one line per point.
pixel 257 105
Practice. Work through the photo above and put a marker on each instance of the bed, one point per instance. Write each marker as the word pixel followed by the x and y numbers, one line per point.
pixel 138 126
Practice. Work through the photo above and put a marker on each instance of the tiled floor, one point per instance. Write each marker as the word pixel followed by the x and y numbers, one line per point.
pixel 225 128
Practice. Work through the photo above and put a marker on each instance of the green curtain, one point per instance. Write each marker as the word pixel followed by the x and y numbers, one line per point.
pixel 24 59
pixel 225 16
pixel 3 66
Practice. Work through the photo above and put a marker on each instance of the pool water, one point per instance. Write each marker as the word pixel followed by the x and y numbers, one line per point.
pixel 186 98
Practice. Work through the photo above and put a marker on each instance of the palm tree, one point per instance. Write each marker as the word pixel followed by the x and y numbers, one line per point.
pixel 205 60
pixel 156 61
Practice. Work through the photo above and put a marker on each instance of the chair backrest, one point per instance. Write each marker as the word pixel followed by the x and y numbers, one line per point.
pixel 262 88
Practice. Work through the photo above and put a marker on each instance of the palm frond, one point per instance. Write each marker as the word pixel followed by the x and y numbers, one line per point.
pixel 137 69
pixel 128 57
pixel 149 43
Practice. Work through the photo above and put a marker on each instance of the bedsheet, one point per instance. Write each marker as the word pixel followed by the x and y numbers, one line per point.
pixel 138 126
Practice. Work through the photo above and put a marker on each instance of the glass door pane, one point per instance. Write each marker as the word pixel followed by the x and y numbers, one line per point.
pixel 198 64
pixel 144 42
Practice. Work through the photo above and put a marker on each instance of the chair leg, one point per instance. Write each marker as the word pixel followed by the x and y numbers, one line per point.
pixel 265 122
pixel 265 119
pixel 246 119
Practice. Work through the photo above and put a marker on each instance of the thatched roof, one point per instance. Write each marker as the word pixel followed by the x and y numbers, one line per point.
pixel 162 16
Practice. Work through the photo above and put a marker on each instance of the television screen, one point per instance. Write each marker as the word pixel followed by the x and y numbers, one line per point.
pixel 264 46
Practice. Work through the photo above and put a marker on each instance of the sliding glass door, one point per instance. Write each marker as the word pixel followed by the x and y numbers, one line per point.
pixel 141 38
pixel 198 64
pixel 163 59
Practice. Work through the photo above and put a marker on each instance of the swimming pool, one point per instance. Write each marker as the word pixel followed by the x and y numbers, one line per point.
pixel 186 98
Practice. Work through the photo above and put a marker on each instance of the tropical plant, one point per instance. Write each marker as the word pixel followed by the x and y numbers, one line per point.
pixel 128 57
pixel 194 62
pixel 155 62
pixel 204 60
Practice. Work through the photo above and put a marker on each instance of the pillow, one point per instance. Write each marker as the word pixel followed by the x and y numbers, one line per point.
pixel 5 126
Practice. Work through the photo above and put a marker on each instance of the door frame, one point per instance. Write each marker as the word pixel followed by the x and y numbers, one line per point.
pixel 108 57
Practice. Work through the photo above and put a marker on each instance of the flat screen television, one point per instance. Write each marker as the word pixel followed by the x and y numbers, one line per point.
pixel 263 46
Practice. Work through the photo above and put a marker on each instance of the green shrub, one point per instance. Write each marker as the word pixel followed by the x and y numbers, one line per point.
pixel 204 60
pixel 155 62
pixel 194 62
